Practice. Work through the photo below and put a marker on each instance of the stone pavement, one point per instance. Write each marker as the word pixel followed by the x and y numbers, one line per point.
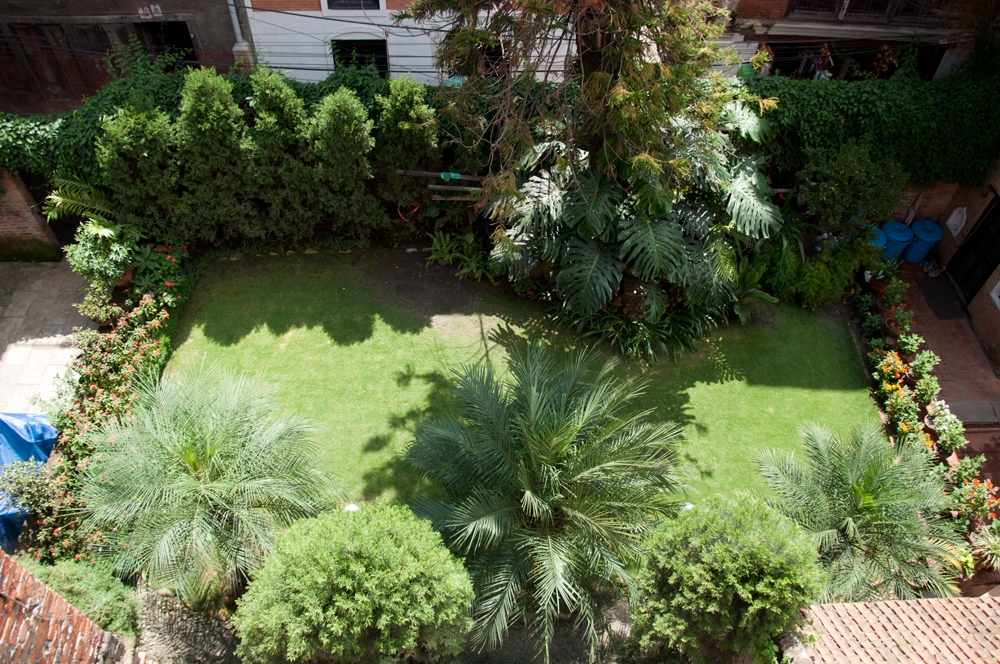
pixel 968 382
pixel 36 321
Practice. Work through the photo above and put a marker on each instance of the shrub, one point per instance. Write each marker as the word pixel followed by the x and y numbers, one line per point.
pixel 195 483
pixel 92 589
pixel 723 579
pixel 102 255
pixel 213 150
pixel 375 585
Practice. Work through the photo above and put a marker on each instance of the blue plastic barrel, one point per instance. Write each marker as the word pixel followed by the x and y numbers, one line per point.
pixel 897 237
pixel 879 239
pixel 925 234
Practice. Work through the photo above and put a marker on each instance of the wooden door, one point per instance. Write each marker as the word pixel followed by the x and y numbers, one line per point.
pixel 979 255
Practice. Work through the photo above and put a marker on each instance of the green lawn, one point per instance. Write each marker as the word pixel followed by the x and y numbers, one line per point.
pixel 363 345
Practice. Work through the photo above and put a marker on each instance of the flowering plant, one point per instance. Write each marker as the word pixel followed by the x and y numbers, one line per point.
pixel 159 272
pixel 52 497
pixel 900 320
pixel 889 368
pixel 926 389
pixel 524 286
pixel 910 434
pixel 950 430
pixel 902 408
pixel 923 364
pixel 976 499
pixel 105 369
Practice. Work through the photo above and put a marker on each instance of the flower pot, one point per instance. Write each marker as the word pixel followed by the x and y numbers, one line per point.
pixel 126 278
pixel 523 296
pixel 909 380
pixel 443 262
pixel 908 358
pixel 930 428
pixel 882 308
pixel 888 332
pixel 878 287
pixel 496 282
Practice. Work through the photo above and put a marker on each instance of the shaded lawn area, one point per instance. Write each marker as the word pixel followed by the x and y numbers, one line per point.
pixel 363 346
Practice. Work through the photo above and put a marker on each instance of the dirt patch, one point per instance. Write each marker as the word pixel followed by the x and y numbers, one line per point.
pixel 401 278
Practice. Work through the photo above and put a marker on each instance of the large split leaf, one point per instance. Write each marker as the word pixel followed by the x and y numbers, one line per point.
pixel 747 200
pixel 654 247
pixel 589 274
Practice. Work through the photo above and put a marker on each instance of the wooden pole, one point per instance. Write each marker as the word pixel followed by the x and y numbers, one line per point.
pixel 432 174
pixel 449 187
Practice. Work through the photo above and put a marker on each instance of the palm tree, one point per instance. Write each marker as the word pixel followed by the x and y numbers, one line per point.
pixel 873 509
pixel 552 481
pixel 191 489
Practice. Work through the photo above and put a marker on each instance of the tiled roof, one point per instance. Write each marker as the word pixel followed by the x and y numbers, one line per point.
pixel 962 630
pixel 37 626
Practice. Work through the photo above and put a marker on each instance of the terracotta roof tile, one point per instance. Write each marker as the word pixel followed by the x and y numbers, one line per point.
pixel 963 630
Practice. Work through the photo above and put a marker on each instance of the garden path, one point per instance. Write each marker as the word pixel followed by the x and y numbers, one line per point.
pixel 36 321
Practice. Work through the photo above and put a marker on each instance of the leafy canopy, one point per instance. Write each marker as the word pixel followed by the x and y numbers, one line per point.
pixel 191 489
pixel 723 579
pixel 874 511
pixel 375 585
pixel 551 481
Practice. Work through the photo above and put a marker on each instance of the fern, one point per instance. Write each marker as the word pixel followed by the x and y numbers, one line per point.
pixel 747 200
pixel 73 196
pixel 591 208
pixel 654 247
pixel 589 274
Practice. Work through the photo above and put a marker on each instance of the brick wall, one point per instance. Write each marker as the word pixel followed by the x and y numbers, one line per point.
pixel 24 235
pixel 985 318
pixel 37 626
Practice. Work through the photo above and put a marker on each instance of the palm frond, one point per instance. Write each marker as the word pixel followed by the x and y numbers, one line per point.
pixel 73 196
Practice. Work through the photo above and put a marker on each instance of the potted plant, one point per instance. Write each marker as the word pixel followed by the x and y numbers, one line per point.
pixel 908 345
pixel 103 253
pixel 935 407
pixel 949 430
pixel 524 287
pixel 892 296
pixel 97 306
pixel 443 249
pixel 881 273
pixel 898 322
pixel 925 391
pixel 864 304
pixel 923 364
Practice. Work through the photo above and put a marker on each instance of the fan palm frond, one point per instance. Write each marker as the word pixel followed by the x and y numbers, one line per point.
pixel 552 481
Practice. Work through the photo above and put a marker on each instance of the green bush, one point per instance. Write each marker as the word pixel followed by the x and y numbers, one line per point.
pixel 723 579
pixel 92 589
pixel 376 585
pixel 901 118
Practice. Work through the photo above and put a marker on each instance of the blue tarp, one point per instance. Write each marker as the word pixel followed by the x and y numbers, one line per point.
pixel 22 437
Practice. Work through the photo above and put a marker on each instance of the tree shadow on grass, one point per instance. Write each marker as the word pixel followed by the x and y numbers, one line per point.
pixel 396 474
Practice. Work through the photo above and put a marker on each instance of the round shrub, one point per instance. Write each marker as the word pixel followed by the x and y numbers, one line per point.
pixel 356 587
pixel 722 579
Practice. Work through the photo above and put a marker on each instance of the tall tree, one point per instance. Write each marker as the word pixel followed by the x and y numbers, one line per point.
pixel 552 480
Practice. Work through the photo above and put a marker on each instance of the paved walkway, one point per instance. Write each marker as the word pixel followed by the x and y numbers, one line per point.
pixel 967 380
pixel 36 319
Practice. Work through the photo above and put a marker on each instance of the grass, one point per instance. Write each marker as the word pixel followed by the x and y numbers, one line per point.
pixel 363 346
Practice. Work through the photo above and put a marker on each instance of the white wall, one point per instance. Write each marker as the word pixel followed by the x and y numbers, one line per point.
pixel 298 45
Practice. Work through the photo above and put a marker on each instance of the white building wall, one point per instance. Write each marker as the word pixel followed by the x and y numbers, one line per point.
pixel 298 43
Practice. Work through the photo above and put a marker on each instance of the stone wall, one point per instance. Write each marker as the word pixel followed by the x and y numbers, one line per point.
pixel 170 633
pixel 38 626
pixel 24 235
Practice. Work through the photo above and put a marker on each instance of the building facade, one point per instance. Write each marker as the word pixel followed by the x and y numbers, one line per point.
pixel 52 52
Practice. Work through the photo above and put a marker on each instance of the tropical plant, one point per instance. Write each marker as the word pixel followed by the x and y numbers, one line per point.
pixel 551 481
pixel 191 489
pixel 723 579
pixel 748 287
pixel 373 585
pixel 874 511
pixel 986 545
pixel 444 247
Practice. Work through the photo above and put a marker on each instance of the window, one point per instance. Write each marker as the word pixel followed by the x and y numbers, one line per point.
pixel 361 52
pixel 161 36
pixel 352 4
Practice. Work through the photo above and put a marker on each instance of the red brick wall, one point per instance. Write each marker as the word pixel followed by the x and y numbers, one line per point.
pixel 287 5
pixel 37 626
pixel 985 318
pixel 24 235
